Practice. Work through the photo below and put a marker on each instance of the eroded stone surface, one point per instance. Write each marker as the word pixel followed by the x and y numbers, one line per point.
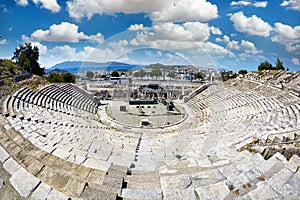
pixel 24 182
pixel 214 191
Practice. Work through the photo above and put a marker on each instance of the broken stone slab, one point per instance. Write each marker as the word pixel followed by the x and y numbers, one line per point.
pixel 7 126
pixel 215 191
pixel 270 167
pixel 3 154
pixel 288 192
pixel 41 192
pixel 252 173
pixel 61 153
pixel 11 166
pixel 238 181
pixel 279 179
pixel 263 191
pixel 294 182
pixel 293 164
pixel 24 182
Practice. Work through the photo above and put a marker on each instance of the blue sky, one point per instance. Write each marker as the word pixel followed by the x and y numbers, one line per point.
pixel 227 34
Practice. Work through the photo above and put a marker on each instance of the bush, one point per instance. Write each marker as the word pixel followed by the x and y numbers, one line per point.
pixel 7 81
pixel 62 78
pixel 243 71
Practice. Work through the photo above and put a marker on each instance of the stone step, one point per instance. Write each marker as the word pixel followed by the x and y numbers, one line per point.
pixel 141 194
pixel 146 182
pixel 117 170
pixel 98 193
pixel 62 175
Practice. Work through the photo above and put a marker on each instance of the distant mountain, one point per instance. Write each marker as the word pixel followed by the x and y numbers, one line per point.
pixel 55 71
pixel 75 66
pixel 71 64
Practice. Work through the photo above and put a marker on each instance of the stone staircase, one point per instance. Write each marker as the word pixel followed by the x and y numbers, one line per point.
pixel 142 185
pixel 111 186
pixel 143 153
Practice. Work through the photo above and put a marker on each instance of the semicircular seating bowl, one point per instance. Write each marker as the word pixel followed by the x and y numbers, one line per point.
pixel 55 144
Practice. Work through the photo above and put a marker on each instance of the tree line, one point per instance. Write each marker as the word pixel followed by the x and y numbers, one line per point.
pixel 268 66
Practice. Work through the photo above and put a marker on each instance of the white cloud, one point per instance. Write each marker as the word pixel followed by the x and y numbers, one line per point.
pixel 158 10
pixel 240 3
pixel 65 52
pixel 245 47
pixel 170 31
pixel 185 10
pixel 251 25
pixel 200 31
pixel 136 27
pixel 212 48
pixel 293 48
pixel 291 4
pixel 295 61
pixel 3 41
pixel 64 32
pixel 43 50
pixel 188 37
pixel 22 2
pixel 249 47
pixel 288 36
pixel 233 45
pixel 82 8
pixel 179 35
pixel 98 38
pixel 215 31
pixel 259 4
pixel 51 5
pixel 230 44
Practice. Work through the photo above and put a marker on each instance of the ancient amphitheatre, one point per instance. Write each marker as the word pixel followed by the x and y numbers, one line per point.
pixel 238 140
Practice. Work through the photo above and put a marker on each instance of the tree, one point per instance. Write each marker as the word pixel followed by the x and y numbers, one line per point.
pixel 265 66
pixel 55 78
pixel 136 74
pixel 115 74
pixel 90 74
pixel 61 78
pixel 27 57
pixel 199 75
pixel 243 71
pixel 69 78
pixel 279 65
pixel 171 74
pixel 24 63
pixel 156 73
pixel 142 73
